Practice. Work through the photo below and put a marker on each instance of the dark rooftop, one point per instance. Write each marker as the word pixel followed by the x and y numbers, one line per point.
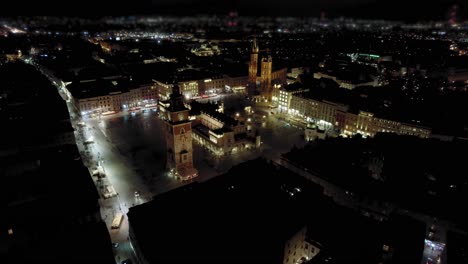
pixel 28 104
pixel 196 107
pixel 50 188
pixel 227 120
pixel 406 178
pixel 193 75
pixel 243 216
pixel 294 87
pixel 384 102
pixel 239 217
pixel 457 247
pixel 100 87
pixel 222 130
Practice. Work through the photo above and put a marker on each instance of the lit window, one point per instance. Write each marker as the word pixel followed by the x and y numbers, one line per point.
pixel 10 231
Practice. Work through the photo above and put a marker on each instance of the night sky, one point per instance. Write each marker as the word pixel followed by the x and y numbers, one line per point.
pixel 385 9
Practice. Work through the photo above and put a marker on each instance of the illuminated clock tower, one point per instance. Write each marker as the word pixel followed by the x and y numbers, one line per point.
pixel 179 138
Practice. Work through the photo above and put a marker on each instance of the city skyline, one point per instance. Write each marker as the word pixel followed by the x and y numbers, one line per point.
pixel 368 9
pixel 260 131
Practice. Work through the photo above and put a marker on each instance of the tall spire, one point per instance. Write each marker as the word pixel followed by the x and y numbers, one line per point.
pixel 175 89
pixel 255 46
pixel 176 99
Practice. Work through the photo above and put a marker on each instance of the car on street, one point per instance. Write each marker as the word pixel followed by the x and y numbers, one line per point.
pixel 109 192
pixel 117 221
pixel 115 245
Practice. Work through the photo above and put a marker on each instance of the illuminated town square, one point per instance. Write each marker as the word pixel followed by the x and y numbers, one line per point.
pixel 234 132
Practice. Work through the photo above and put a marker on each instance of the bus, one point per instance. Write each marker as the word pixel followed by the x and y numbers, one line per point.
pixel 117 221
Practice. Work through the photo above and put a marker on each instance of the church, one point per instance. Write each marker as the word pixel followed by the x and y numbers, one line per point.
pixel 263 84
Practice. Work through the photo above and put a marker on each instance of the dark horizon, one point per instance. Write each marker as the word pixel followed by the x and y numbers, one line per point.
pixel 410 11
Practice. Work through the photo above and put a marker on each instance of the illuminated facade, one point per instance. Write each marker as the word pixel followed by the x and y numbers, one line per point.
pixel 222 134
pixel 163 89
pixel 253 65
pixel 331 115
pixel 285 96
pixel 205 50
pixel 115 100
pixel 299 249
pixel 367 124
pixel 267 77
pixel 179 138
pixel 189 89
pixel 194 88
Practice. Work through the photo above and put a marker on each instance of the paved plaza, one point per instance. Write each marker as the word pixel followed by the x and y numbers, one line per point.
pixel 130 149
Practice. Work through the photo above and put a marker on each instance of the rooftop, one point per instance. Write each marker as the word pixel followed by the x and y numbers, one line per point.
pixel 100 87
pixel 295 86
pixel 405 179
pixel 383 102
pixel 28 104
pixel 242 216
pixel 227 120
pixel 249 224
pixel 33 187
pixel 196 107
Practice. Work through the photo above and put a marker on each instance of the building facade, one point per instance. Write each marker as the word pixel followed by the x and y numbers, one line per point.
pixel 221 134
pixel 299 249
pixel 332 115
pixel 194 88
pixel 253 65
pixel 110 100
pixel 267 77
pixel 367 124
pixel 285 96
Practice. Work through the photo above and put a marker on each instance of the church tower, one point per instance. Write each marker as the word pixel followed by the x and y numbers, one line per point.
pixel 265 74
pixel 253 65
pixel 179 138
